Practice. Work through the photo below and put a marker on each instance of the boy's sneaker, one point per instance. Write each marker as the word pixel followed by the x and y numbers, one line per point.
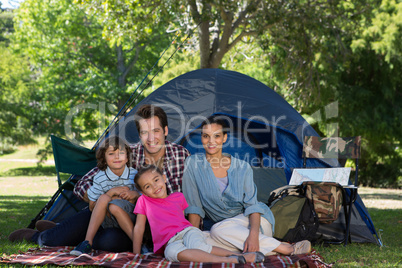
pixel 82 248
pixel 302 247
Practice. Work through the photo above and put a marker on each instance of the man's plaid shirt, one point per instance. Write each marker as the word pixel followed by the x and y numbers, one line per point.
pixel 173 167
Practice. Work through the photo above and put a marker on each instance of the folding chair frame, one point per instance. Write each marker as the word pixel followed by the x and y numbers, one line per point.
pixel 340 148
pixel 72 159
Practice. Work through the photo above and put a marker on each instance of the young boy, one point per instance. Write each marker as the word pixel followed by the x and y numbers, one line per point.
pixel 170 230
pixel 112 195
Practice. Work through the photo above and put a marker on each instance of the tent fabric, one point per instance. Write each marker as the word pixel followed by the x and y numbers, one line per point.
pixel 265 131
pixel 194 96
pixel 253 110
pixel 61 209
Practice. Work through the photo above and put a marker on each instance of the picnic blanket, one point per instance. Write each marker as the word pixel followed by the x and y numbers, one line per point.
pixel 60 256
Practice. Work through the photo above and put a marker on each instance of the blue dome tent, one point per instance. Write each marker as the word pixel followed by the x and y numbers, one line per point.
pixel 265 130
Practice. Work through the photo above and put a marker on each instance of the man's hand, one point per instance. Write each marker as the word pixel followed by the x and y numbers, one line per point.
pixel 85 197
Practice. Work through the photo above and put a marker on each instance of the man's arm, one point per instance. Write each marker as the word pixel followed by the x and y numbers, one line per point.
pixel 91 205
pixel 82 186
pixel 175 167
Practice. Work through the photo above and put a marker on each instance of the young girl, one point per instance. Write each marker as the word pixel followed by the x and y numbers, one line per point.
pixel 171 232
pixel 112 195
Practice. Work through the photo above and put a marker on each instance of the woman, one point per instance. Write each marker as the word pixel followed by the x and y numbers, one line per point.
pixel 221 187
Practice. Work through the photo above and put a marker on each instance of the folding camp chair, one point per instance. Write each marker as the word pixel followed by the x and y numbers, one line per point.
pixel 340 148
pixel 71 159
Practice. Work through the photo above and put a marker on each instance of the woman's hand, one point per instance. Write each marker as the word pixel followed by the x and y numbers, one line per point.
pixel 252 243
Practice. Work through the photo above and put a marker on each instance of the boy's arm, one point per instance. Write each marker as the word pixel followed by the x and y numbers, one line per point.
pixel 138 232
pixel 116 191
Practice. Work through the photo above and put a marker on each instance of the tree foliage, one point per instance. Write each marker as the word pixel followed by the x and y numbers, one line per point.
pixel 79 72
pixel 370 93
pixel 15 90
pixel 15 106
pixel 6 26
pixel 92 54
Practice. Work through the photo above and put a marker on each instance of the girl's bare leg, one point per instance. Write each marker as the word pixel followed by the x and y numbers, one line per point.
pixel 224 253
pixel 197 255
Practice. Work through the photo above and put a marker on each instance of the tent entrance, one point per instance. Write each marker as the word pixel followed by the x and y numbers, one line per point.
pixel 250 141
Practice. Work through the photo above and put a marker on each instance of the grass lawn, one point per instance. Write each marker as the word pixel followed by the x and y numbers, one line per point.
pixel 385 209
pixel 25 189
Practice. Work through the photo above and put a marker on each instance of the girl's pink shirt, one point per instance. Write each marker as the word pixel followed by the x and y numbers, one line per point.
pixel 165 217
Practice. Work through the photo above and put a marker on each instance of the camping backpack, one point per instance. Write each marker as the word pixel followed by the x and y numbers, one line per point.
pixel 327 199
pixel 295 218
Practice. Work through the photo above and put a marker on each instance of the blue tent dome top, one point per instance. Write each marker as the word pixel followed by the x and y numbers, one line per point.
pixel 191 97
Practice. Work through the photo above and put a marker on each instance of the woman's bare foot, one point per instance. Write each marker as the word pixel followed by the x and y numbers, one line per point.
pixel 302 247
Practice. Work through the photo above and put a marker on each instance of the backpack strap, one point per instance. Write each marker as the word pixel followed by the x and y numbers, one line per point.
pixel 283 191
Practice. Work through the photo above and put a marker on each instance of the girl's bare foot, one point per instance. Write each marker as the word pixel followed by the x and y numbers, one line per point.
pixel 239 258
pixel 256 256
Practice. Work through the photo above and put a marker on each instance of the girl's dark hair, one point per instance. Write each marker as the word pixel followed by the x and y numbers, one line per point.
pixel 117 143
pixel 144 170
pixel 218 119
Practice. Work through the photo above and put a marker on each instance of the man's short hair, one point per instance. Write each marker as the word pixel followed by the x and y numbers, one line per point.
pixel 147 111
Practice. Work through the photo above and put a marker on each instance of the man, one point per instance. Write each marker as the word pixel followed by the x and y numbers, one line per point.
pixel 153 148
pixel 152 126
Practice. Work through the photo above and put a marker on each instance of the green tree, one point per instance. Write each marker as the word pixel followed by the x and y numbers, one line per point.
pixel 15 88
pixel 80 73
pixel 6 26
pixel 359 71
pixel 299 36
pixel 15 126
pixel 370 93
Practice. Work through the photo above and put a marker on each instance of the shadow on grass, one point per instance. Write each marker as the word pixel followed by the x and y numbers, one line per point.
pixel 12 206
pixel 17 211
pixel 390 196
pixel 31 171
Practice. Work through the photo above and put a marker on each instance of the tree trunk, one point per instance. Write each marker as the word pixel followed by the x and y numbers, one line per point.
pixel 121 67
pixel 204 44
